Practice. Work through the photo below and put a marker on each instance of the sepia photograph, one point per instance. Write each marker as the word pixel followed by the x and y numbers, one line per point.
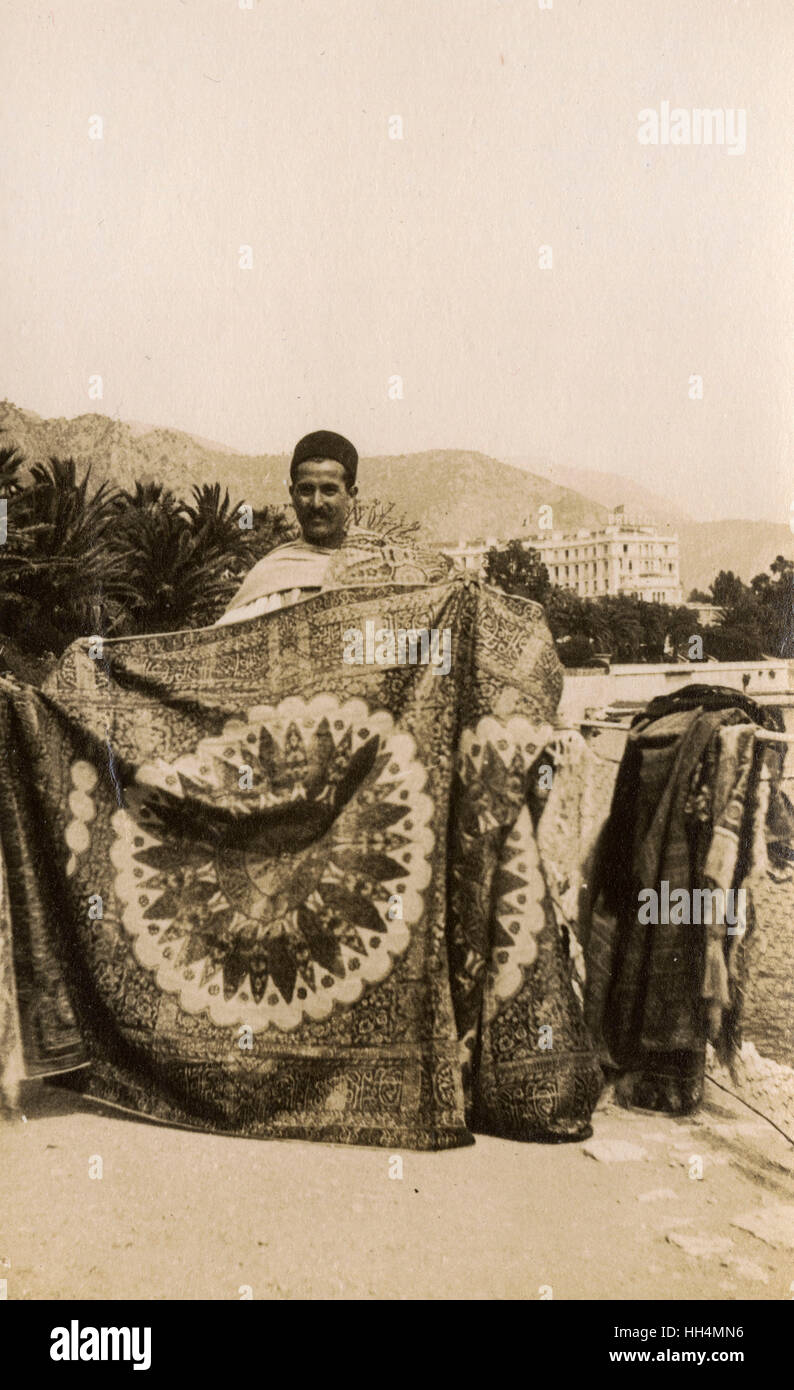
pixel 397 665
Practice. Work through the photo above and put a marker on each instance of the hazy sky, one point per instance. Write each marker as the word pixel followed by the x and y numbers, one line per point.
pixel 375 257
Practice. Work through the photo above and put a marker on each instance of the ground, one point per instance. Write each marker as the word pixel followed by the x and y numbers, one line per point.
pixel 183 1215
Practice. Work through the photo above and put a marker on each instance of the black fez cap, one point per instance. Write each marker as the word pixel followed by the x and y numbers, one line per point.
pixel 324 444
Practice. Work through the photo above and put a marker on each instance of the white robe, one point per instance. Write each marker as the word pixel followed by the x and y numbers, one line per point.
pixel 288 574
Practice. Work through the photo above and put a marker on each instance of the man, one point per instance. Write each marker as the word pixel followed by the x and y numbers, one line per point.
pixel 331 551
pixel 323 486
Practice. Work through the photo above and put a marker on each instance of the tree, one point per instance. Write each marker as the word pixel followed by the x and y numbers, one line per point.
pixel 56 568
pixel 734 642
pixel 681 628
pixel 727 589
pixel 774 596
pixel 517 569
pixel 384 518
pixel 147 496
pixel 566 613
pixel 575 651
pixel 11 461
pixel 117 562
pixel 625 626
pixel 739 636
pixel 172 576
pixel 654 621
pixel 181 561
pixel 272 526
pixel 214 521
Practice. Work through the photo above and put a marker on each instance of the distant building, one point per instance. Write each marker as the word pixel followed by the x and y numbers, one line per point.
pixel 708 614
pixel 470 555
pixel 626 556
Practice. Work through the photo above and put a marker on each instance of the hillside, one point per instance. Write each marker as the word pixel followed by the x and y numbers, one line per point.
pixel 746 547
pixel 124 453
pixel 456 494
pixel 705 547
pixel 460 495
pixel 610 489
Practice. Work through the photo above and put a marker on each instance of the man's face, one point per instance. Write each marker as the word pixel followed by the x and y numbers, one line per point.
pixel 322 500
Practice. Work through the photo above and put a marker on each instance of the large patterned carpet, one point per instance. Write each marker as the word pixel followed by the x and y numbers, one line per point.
pixel 254 889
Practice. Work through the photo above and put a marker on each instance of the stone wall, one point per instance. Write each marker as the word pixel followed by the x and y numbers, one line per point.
pixel 588 689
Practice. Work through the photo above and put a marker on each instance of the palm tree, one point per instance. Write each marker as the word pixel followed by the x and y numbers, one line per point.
pixel 171 577
pixel 625 628
pixel 146 496
pixel 56 568
pixel 596 625
pixel 217 523
pixel 11 460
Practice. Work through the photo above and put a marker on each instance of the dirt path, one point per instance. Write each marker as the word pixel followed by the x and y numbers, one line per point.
pixel 179 1215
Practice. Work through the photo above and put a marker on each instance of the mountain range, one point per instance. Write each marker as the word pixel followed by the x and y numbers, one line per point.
pixel 456 494
pixel 610 489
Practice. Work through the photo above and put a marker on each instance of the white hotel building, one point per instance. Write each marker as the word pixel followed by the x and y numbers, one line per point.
pixel 627 556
